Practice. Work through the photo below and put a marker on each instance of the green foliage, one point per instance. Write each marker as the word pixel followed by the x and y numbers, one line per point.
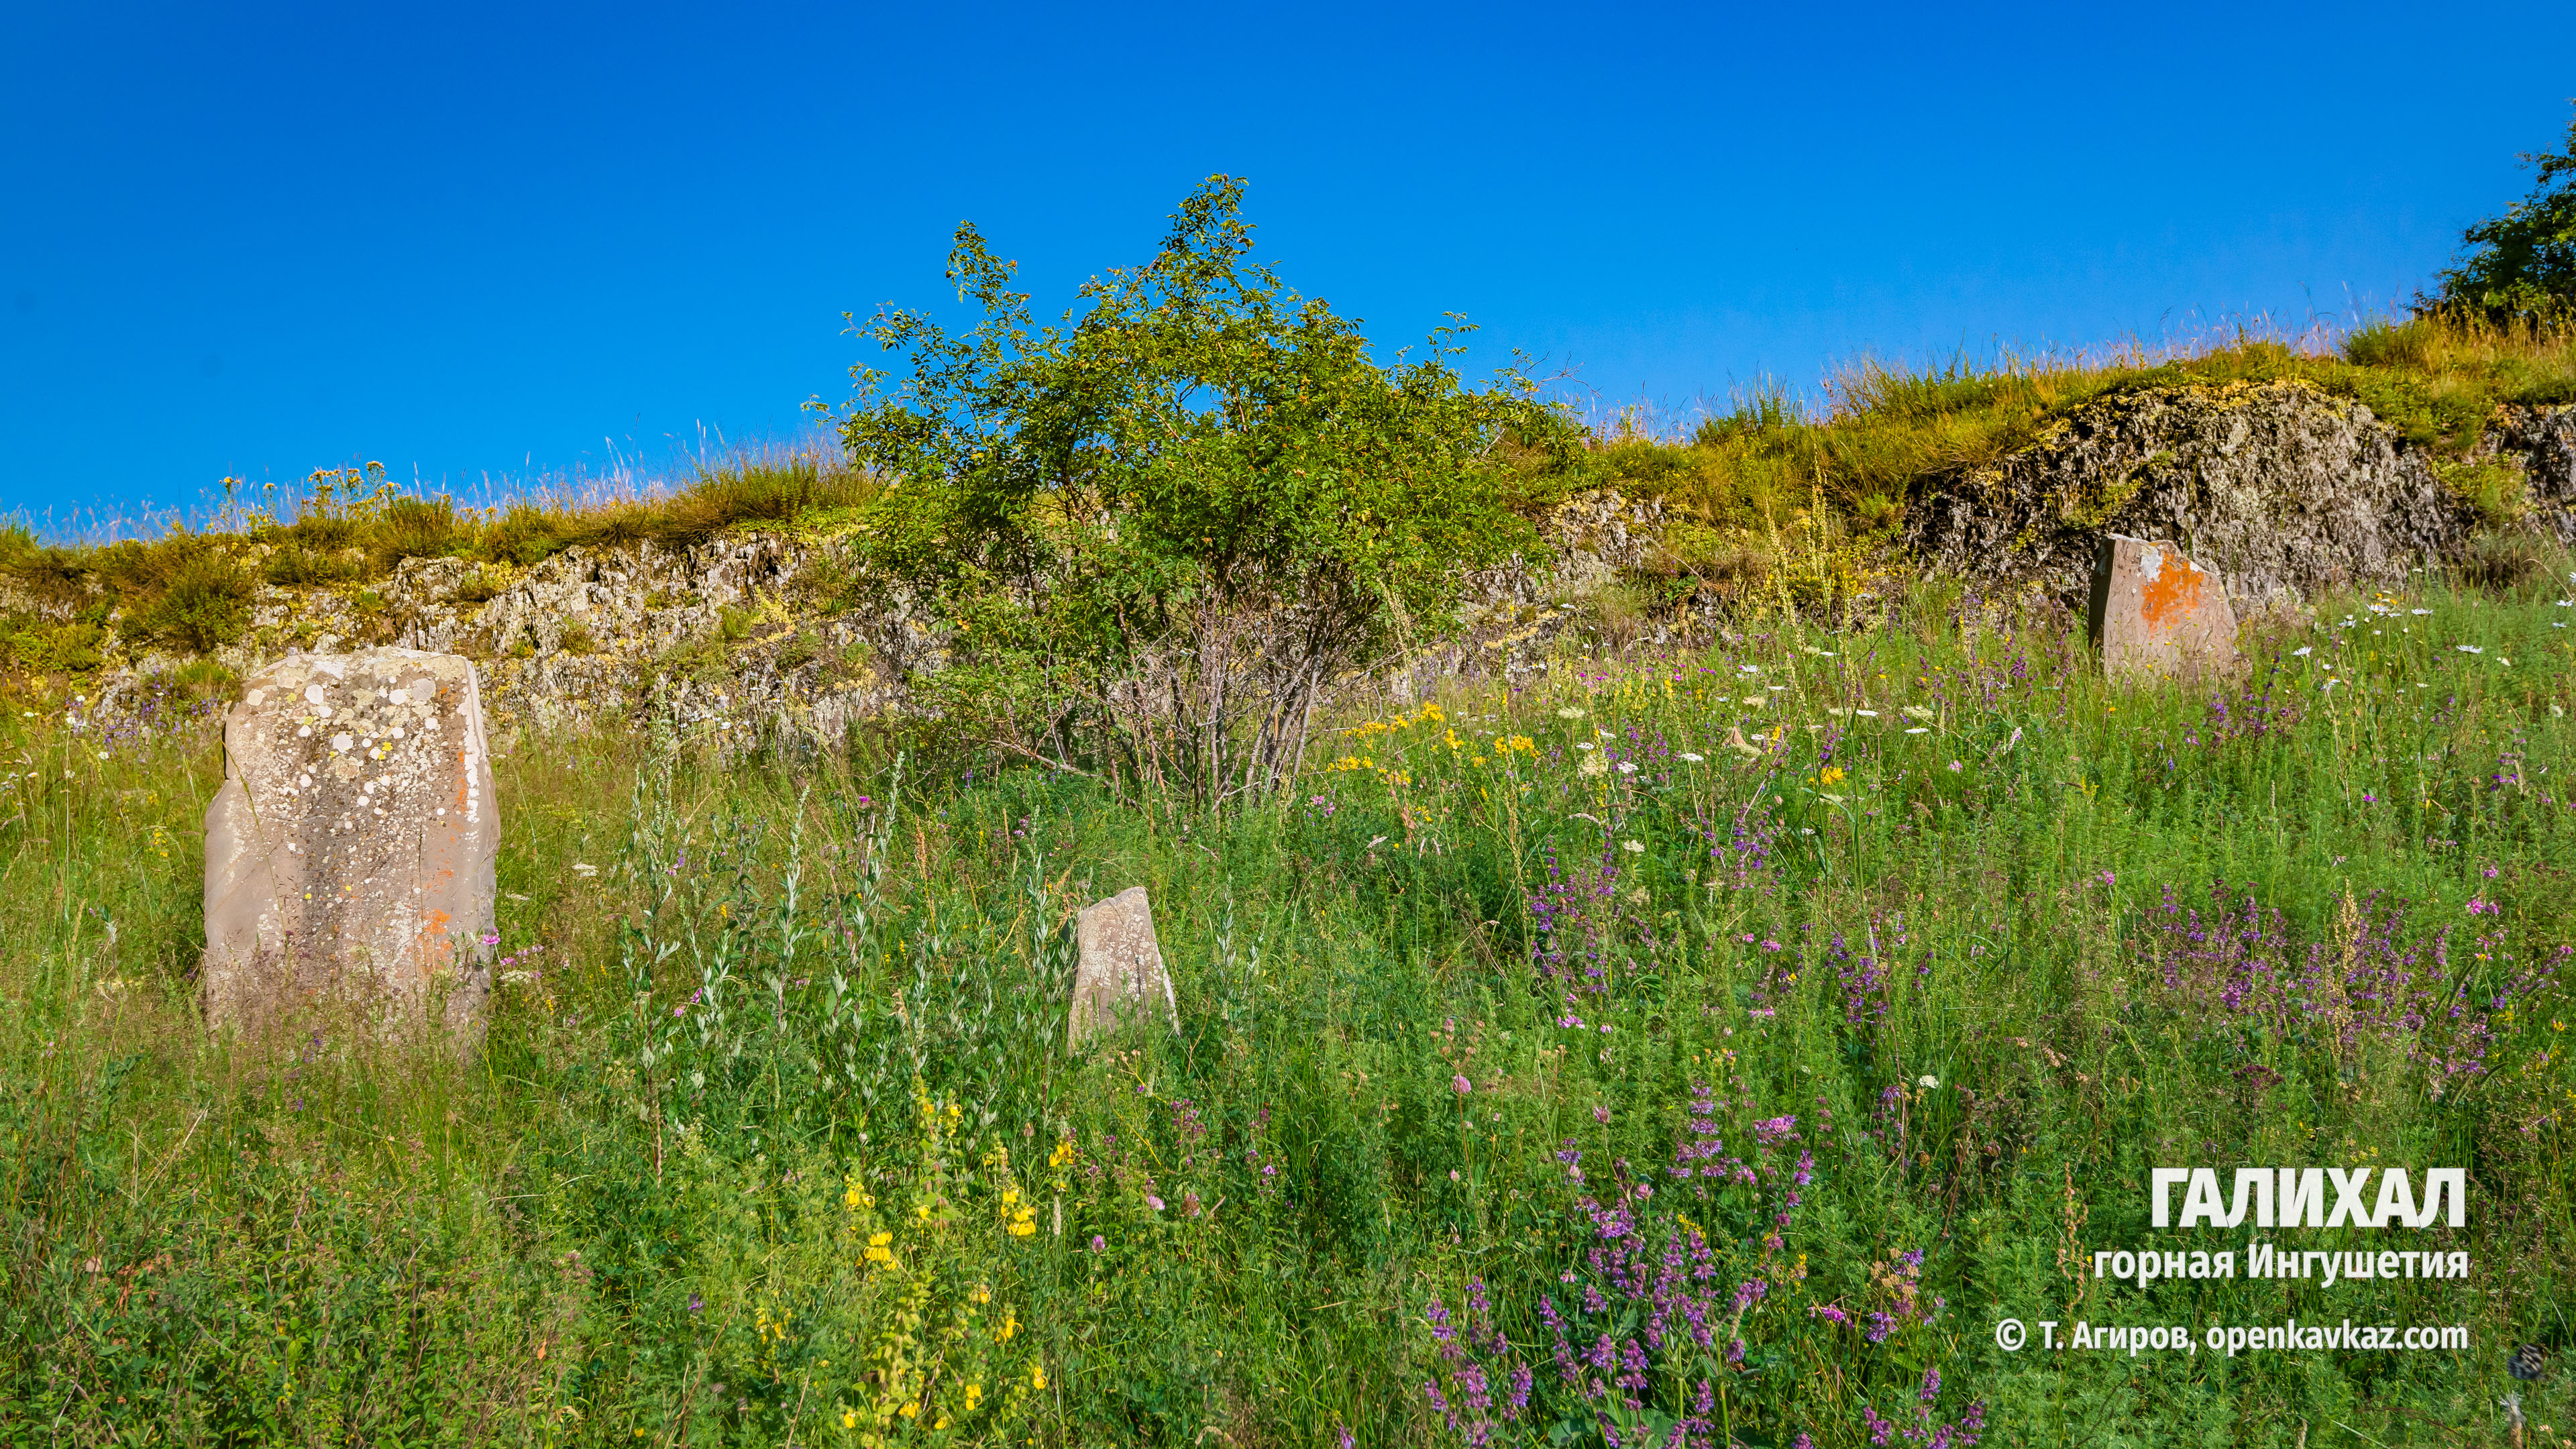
pixel 203 602
pixel 753 1015
pixel 1846 475
pixel 2498 491
pixel 51 574
pixel 205 680
pixel 48 646
pixel 1160 528
pixel 483 585
pixel 417 528
pixel 295 566
pixel 2521 266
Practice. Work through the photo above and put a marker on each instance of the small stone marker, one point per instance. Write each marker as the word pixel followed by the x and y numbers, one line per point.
pixel 2156 612
pixel 1121 975
pixel 349 853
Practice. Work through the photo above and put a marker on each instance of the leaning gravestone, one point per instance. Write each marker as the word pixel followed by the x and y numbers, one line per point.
pixel 1121 976
pixel 349 853
pixel 2156 613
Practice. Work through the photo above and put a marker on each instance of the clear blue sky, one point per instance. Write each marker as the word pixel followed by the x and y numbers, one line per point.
pixel 469 239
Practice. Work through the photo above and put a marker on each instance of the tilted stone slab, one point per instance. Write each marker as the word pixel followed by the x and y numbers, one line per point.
pixel 1121 976
pixel 2156 613
pixel 349 853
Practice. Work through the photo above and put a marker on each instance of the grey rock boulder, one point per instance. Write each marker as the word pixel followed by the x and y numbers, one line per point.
pixel 350 851
pixel 2542 441
pixel 2282 490
pixel 1120 978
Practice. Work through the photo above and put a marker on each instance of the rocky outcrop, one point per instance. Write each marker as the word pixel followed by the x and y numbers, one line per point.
pixel 2542 442
pixel 755 634
pixel 2281 489
pixel 774 636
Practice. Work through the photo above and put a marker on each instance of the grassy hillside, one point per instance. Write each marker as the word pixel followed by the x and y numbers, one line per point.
pixel 1930 944
pixel 1771 500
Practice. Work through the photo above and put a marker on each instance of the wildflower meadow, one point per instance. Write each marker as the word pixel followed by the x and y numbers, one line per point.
pixel 1684 1048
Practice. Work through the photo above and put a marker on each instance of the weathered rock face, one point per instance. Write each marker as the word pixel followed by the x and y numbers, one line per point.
pixel 2543 442
pixel 2280 489
pixel 738 636
pixel 2157 614
pixel 1121 976
pixel 349 854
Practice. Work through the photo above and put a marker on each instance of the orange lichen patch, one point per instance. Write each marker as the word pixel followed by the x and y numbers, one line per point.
pixel 2170 597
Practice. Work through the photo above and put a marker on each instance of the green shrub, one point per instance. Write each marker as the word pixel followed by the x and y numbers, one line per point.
pixel 295 566
pixel 205 603
pixel 204 679
pixel 325 532
pixel 416 528
pixel 48 647
pixel 2521 265
pixel 524 534
pixel 1159 531
pixel 2497 490
pixel 51 574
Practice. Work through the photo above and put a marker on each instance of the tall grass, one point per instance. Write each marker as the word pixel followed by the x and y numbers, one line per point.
pixel 1849 467
pixel 1941 941
pixel 349 525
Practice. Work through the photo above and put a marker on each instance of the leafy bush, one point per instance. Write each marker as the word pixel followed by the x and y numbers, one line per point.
pixel 2521 265
pixel 205 603
pixel 1161 530
pixel 45 646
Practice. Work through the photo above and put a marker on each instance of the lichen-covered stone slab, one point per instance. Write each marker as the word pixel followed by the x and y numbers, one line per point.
pixel 2156 613
pixel 1121 976
pixel 349 854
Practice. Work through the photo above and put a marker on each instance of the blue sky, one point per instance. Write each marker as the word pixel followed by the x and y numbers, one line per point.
pixel 477 241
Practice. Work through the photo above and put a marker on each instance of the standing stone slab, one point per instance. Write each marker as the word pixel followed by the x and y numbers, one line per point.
pixel 349 853
pixel 1121 975
pixel 2156 613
